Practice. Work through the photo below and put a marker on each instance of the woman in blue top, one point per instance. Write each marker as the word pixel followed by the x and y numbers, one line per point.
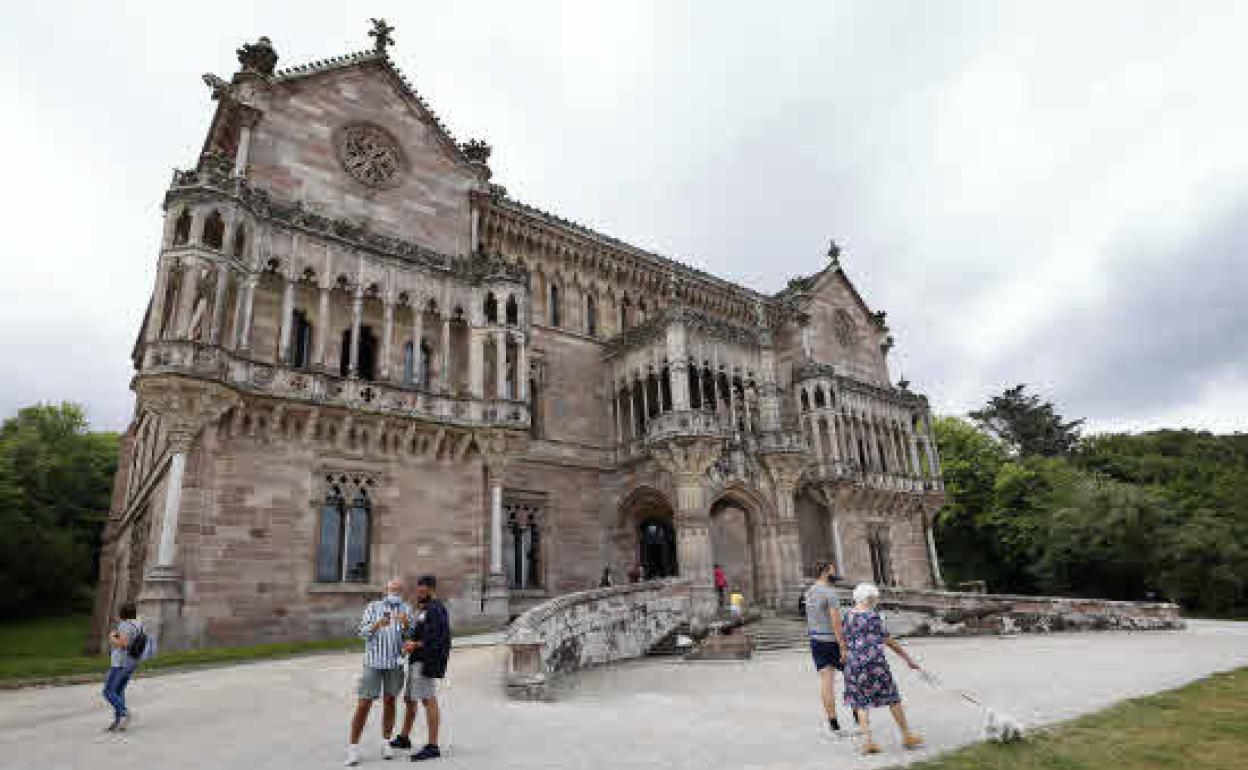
pixel 868 680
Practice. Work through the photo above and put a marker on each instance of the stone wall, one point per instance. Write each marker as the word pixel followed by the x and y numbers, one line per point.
pixel 947 613
pixel 591 628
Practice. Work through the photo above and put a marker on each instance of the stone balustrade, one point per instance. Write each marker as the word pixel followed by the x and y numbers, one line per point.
pixel 687 423
pixel 851 473
pixel 916 612
pixel 590 628
pixel 319 387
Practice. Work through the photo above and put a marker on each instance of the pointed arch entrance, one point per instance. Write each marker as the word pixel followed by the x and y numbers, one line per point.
pixel 646 534
pixel 735 517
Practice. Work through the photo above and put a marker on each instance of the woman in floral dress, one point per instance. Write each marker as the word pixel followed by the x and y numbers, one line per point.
pixel 868 681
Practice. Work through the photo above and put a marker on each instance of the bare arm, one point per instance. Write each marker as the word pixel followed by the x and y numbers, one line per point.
pixel 837 629
pixel 896 647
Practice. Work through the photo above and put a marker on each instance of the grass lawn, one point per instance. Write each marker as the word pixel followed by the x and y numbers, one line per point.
pixel 52 647
pixel 1202 726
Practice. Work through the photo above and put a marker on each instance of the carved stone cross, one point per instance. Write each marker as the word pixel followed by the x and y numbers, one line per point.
pixel 381 31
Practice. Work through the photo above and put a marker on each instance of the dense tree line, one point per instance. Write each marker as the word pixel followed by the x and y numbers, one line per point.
pixel 1036 508
pixel 56 481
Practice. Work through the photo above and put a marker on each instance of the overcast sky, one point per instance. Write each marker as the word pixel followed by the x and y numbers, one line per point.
pixel 1050 193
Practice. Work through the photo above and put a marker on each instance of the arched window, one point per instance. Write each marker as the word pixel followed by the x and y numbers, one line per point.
pixel 624 314
pixel 409 363
pixel 214 230
pixel 819 402
pixel 695 389
pixel 591 316
pixel 555 314
pixel 491 308
pixel 301 337
pixel 522 556
pixel 423 374
pixel 805 402
pixel 182 228
pixel 641 311
pixel 513 311
pixel 355 540
pixel 240 241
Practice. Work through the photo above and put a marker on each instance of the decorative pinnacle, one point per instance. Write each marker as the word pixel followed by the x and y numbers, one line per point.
pixel 258 57
pixel 476 150
pixel 381 32
pixel 834 254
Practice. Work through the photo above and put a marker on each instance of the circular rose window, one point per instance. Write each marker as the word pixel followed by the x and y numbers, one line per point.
pixel 369 154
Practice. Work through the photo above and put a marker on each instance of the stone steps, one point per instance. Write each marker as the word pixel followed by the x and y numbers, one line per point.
pixel 777 633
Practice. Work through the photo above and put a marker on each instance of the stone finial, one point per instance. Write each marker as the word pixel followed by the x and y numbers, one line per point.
pixel 381 35
pixel 903 383
pixel 258 58
pixel 834 255
pixel 476 150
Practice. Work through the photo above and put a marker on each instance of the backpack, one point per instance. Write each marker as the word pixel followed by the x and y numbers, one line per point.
pixel 138 645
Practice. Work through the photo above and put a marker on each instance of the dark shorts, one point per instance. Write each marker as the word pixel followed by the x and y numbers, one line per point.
pixel 826 654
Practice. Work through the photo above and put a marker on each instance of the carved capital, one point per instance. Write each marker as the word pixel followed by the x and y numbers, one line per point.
pixel 499 448
pixel 184 405
pixel 786 469
pixel 686 459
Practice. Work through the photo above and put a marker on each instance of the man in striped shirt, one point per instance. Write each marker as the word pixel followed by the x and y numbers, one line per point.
pixel 382 629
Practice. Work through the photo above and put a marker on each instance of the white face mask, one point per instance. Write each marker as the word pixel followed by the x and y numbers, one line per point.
pixel 393 599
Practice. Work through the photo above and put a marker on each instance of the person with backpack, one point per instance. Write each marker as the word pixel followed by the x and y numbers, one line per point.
pixel 128 645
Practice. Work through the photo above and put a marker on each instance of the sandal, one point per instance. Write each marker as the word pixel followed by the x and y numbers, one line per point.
pixel 912 741
pixel 870 747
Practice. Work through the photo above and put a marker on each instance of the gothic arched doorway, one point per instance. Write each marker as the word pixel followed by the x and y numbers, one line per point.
pixel 734 518
pixel 657 548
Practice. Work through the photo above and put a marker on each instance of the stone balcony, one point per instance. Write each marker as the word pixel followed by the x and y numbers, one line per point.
pixel 849 474
pixel 320 388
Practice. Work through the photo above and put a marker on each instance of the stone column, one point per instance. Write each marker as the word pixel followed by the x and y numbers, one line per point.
pixel 218 303
pixel 500 364
pixel 244 149
pixel 185 406
pixel 522 368
pixel 645 397
pixel 387 339
pixel 322 325
pixel 288 312
pixel 632 414
pixel 498 449
pixel 163 271
pixel 445 355
pixel 476 363
pixel 816 432
pixel 187 295
pixel 418 333
pixel 249 299
pixel 786 469
pixel 357 316
pixel 678 367
pixel 687 460
pixel 938 582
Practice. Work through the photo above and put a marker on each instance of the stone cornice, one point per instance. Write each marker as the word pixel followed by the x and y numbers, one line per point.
pixel 213 181
pixel 807 369
pixel 655 327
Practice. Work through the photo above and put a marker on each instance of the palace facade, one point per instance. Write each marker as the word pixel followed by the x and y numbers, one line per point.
pixel 361 358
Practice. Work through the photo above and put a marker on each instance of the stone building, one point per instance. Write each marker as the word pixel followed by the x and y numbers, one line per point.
pixel 361 358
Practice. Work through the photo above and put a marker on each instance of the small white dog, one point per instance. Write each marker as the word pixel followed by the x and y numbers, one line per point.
pixel 1001 728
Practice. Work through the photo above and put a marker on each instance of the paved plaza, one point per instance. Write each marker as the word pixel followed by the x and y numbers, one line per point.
pixel 659 713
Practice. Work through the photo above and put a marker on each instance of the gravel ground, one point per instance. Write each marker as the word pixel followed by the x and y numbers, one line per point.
pixel 647 714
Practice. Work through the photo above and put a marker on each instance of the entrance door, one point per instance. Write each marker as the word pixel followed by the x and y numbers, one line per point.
pixel 658 548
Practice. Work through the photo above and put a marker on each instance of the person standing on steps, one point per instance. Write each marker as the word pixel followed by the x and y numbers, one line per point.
pixel 823 624
pixel 428 647
pixel 128 644
pixel 382 629
pixel 721 586
pixel 868 680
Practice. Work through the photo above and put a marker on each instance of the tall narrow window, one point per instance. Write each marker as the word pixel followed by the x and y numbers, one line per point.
pixel 214 230
pixel 423 374
pixel 522 551
pixel 355 541
pixel 301 337
pixel 240 240
pixel 591 316
pixel 491 308
pixel 329 548
pixel 409 363
pixel 182 228
pixel 624 314
pixel 555 315
pixel 513 311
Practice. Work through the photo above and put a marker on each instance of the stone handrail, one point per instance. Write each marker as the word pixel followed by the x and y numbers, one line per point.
pixel 318 387
pixel 590 628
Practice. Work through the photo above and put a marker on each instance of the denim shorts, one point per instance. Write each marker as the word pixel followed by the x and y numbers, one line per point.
pixel 375 681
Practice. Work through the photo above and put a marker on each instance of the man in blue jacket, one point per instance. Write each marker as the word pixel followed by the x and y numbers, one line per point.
pixel 428 647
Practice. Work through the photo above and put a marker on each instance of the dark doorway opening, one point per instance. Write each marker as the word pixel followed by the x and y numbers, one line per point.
pixel 657 541
pixel 367 363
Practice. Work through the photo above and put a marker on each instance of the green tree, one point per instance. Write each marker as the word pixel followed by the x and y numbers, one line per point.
pixel 55 488
pixel 1027 425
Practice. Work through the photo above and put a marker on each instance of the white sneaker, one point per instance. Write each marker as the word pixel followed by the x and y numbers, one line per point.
pixel 386 751
pixel 353 756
